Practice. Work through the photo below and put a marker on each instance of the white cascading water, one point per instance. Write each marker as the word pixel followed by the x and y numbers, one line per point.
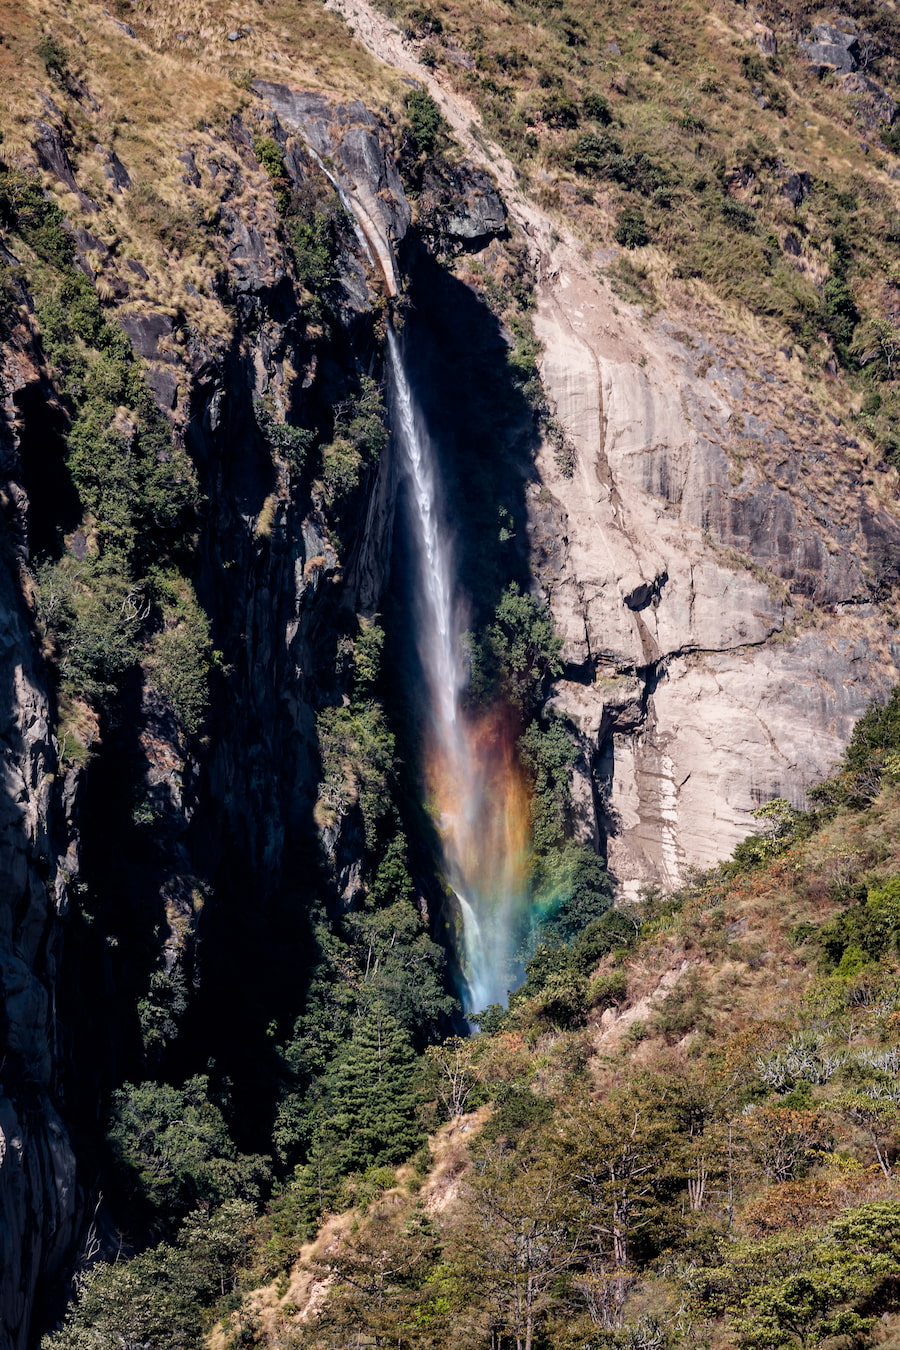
pixel 475 785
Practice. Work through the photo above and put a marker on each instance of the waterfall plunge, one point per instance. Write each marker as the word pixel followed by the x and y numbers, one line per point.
pixel 474 780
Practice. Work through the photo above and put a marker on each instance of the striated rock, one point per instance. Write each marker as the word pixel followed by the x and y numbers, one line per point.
pixel 252 266
pixel 673 580
pixel 725 733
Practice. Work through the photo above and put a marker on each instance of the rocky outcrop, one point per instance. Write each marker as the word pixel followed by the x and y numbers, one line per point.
pixel 458 203
pixel 349 144
pixel 831 47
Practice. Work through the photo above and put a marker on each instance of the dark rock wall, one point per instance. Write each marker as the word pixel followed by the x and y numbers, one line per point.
pixel 218 885
pixel 39 859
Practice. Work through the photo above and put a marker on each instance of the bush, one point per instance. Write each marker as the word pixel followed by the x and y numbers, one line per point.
pixel 11 295
pixel 574 886
pixel 631 230
pixel 428 131
pixel 609 989
pixel 558 110
pixel 181 655
pixel 93 616
pixel 27 209
pixel 164 1298
pixel 54 56
pixel 548 753
pixel 359 443
pixel 357 751
pixel 314 252
pixel 596 108
pixel 293 444
pixel 519 651
pixel 174 227
pixel 269 154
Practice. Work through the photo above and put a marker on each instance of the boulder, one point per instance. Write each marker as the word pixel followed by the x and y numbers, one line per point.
pixel 461 202
pixel 797 188
pixel 830 46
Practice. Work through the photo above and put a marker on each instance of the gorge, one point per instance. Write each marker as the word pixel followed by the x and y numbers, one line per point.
pixel 399 568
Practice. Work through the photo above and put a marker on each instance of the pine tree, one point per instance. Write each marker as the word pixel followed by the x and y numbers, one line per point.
pixel 373 1094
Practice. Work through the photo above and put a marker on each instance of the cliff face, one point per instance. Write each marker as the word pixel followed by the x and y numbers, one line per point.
pixel 39 860
pixel 718 591
pixel 224 816
pixel 169 820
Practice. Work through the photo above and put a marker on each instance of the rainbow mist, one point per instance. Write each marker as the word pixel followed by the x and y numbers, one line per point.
pixel 474 780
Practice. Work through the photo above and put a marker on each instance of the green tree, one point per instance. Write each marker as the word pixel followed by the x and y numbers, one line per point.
pixel 181 654
pixel 427 127
pixel 517 1239
pixel 372 1094
pixel 173 1150
pixel 520 649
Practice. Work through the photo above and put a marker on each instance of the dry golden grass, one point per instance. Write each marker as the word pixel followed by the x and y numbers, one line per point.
pixel 171 87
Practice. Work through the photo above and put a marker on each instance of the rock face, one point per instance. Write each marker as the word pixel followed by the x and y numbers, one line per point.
pixel 269 577
pixel 349 143
pixel 676 571
pixel 39 1198
pixel 712 562
pixel 460 201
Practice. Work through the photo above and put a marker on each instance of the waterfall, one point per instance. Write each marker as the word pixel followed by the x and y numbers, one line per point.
pixel 474 781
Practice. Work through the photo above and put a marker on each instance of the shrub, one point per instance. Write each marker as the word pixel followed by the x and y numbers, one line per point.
pixel 428 131
pixel 360 440
pixel 596 108
pixel 181 655
pixel 609 989
pixel 631 230
pixel 54 56
pixel 174 227
pixel 597 155
pixel 11 295
pixel 558 110
pixel 268 152
pixel 519 651
pixel 93 615
pixel 26 208
pixel 314 252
